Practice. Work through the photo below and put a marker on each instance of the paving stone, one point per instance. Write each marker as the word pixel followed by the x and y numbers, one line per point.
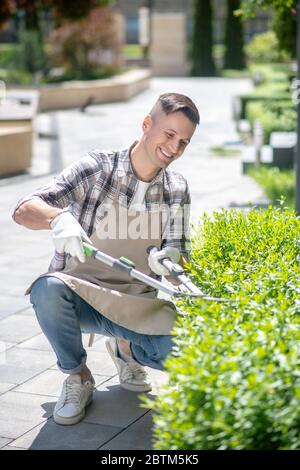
pixel 5 345
pixel 22 364
pixel 17 328
pixel 98 344
pixel 12 448
pixel 158 379
pixel 4 387
pixel 40 342
pixel 4 441
pixel 28 312
pixel 99 363
pixel 138 436
pixel 112 405
pixel 49 383
pixel 20 412
pixel 9 305
pixel 50 435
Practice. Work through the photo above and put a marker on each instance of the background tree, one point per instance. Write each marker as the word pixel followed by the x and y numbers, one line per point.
pixel 30 18
pixel 202 39
pixel 63 9
pixel 234 38
pixel 285 27
pixel 87 48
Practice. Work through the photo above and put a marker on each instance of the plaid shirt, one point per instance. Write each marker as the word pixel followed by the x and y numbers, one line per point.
pixel 91 182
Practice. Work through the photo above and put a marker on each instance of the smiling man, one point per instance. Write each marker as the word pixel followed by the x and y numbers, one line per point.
pixel 132 188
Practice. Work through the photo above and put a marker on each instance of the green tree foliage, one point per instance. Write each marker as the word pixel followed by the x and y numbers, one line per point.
pixel 250 7
pixel 263 48
pixel 285 27
pixel 82 47
pixel 30 14
pixel 285 21
pixel 63 9
pixel 234 38
pixel 202 40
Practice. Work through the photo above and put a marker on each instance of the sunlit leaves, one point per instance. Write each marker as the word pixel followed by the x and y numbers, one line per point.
pixel 234 377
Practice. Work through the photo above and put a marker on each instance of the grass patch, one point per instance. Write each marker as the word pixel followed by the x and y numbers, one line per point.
pixel 133 51
pixel 228 73
pixel 225 152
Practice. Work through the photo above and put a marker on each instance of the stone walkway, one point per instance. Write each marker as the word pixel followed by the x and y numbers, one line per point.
pixel 30 380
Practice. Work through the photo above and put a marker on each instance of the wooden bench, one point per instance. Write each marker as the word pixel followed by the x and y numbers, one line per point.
pixel 17 115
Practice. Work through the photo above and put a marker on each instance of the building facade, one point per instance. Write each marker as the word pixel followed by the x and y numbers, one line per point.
pixel 130 9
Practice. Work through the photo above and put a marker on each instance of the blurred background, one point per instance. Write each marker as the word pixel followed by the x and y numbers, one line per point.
pixel 44 43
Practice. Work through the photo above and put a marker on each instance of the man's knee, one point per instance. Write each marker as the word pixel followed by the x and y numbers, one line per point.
pixel 46 291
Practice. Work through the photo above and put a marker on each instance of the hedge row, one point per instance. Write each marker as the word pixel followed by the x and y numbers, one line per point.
pixel 234 373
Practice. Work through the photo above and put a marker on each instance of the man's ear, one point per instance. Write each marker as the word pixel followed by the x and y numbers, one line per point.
pixel 147 122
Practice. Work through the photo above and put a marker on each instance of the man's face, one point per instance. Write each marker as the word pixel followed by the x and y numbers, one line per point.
pixel 166 137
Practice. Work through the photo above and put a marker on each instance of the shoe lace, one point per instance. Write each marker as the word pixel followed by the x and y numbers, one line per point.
pixel 73 392
pixel 133 370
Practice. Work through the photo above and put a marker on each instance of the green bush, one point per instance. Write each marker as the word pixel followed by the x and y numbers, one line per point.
pixel 275 86
pixel 263 48
pixel 16 77
pixel 9 55
pixel 276 184
pixel 250 98
pixel 272 72
pixel 274 116
pixel 234 373
pixel 31 51
pixel 96 73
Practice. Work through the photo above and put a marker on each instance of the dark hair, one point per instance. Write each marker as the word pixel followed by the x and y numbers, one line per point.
pixel 174 102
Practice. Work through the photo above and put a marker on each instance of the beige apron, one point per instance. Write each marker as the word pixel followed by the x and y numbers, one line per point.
pixel 121 299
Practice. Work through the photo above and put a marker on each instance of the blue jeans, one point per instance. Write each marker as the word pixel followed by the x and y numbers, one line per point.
pixel 63 315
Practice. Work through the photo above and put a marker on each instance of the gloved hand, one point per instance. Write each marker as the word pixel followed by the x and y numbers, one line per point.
pixel 155 257
pixel 67 235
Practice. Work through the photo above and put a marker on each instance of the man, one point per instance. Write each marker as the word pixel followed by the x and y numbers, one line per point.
pixel 127 193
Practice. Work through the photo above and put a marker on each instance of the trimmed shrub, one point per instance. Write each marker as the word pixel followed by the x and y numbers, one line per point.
pixel 16 77
pixel 9 55
pixel 272 72
pixel 234 373
pixel 275 85
pixel 274 116
pixel 276 184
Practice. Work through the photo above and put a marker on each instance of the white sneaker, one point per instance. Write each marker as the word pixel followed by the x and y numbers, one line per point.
pixel 132 375
pixel 74 398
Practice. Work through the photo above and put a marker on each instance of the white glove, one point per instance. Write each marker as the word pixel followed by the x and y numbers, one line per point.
pixel 155 257
pixel 67 235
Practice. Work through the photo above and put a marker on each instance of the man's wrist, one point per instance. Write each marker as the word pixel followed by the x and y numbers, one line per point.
pixel 56 213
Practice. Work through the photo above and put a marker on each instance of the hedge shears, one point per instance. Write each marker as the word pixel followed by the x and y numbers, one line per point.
pixel 186 288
